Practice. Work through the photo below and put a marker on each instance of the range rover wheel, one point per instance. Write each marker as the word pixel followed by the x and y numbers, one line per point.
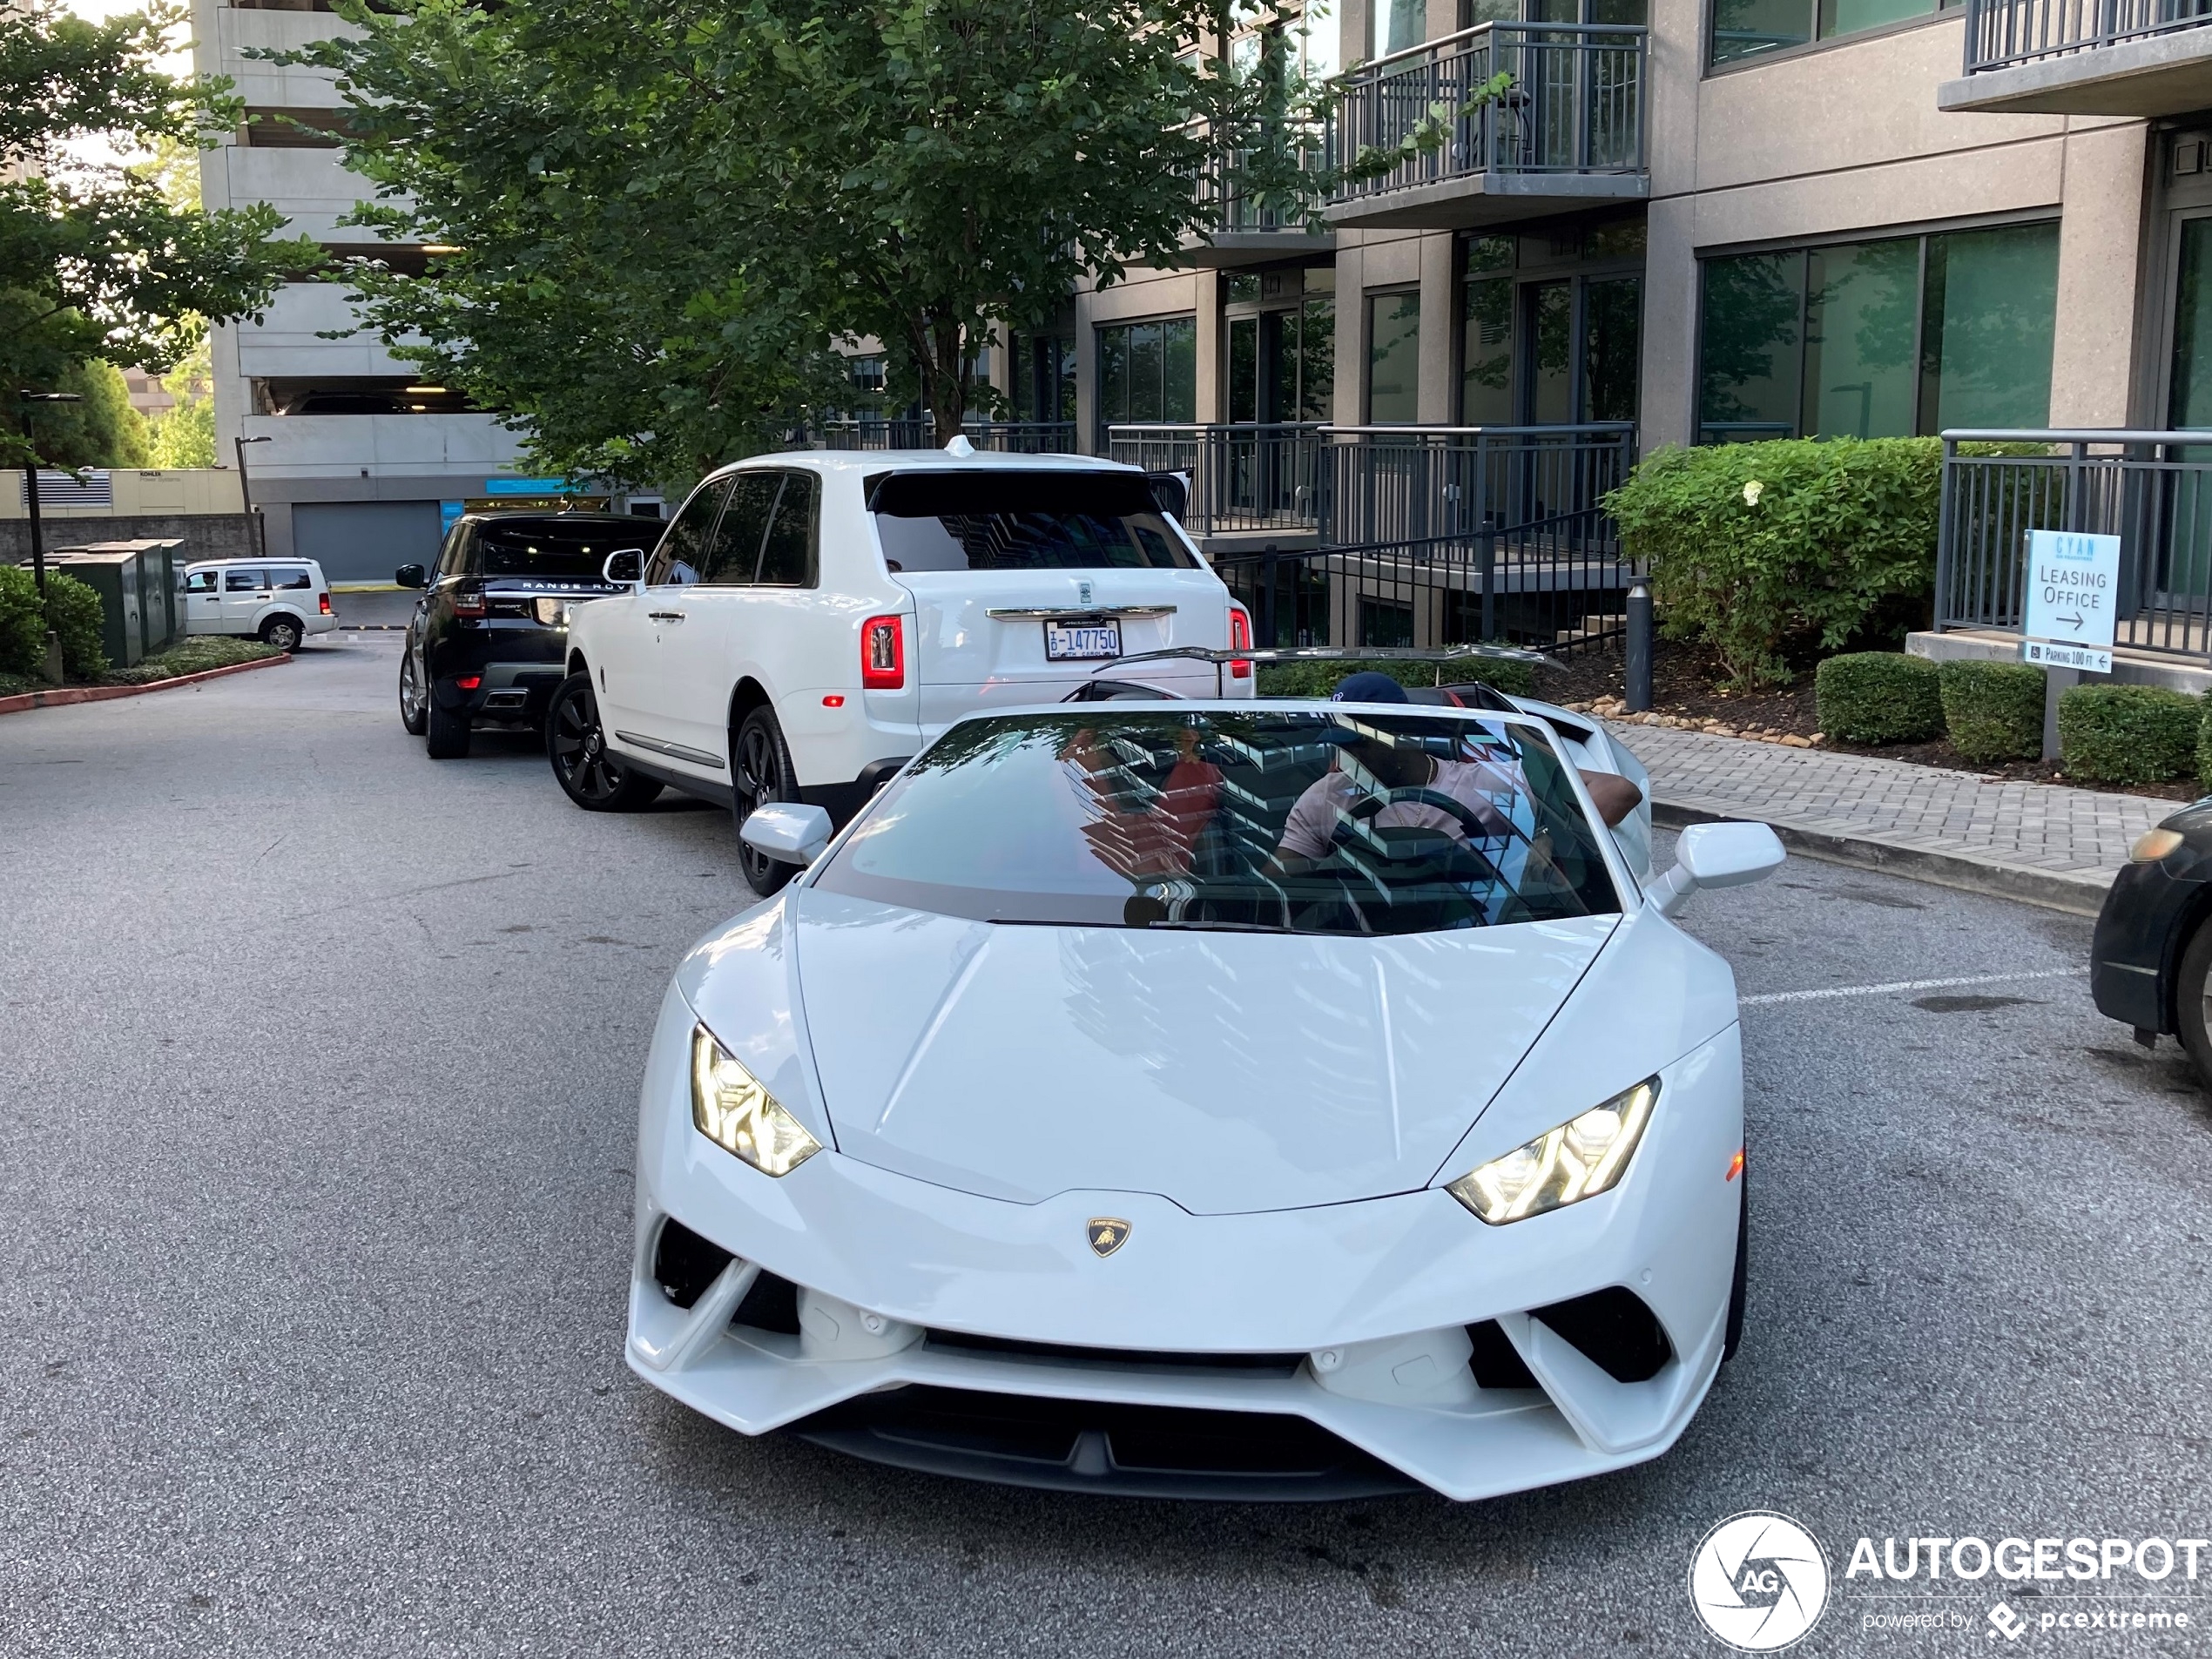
pixel 760 770
pixel 589 776
pixel 414 703
pixel 445 731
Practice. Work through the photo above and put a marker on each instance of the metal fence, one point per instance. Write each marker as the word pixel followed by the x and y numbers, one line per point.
pixel 903 432
pixel 1558 582
pixel 1224 189
pixel 1575 105
pixel 2002 33
pixel 1242 477
pixel 2152 489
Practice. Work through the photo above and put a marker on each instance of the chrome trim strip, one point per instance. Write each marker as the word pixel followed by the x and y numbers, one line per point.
pixel 674 750
pixel 1074 613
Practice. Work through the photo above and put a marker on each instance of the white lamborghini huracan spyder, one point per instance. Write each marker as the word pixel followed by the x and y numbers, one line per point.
pixel 1229 1099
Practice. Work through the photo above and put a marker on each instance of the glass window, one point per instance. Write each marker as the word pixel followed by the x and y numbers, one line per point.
pixel 1393 358
pixel 1399 23
pixel 2190 403
pixel 246 581
pixel 1244 368
pixel 1317 360
pixel 787 556
pixel 1317 36
pixel 734 555
pixel 1552 325
pixel 1179 370
pixel 562 548
pixel 1113 375
pixel 1992 309
pixel 1750 356
pixel 291 577
pixel 1746 28
pixel 677 560
pixel 1612 347
pixel 1861 309
pixel 1849 16
pixel 1273 820
pixel 1147 371
pixel 1485 378
pixel 199 582
pixel 452 556
pixel 1023 521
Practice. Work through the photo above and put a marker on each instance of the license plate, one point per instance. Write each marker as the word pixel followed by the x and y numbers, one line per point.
pixel 1083 641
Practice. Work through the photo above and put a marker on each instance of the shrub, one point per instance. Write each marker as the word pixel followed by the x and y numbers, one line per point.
pixel 73 610
pixel 1993 710
pixel 193 656
pixel 1319 679
pixel 1751 544
pixel 2128 734
pixel 23 627
pixel 1878 697
pixel 2204 746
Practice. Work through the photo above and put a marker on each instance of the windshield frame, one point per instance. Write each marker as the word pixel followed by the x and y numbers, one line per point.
pixel 1628 892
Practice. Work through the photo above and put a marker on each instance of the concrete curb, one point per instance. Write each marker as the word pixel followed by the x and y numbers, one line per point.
pixel 64 696
pixel 2079 893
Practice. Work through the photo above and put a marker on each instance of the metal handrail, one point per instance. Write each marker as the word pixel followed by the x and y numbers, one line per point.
pixel 2073 435
pixel 2003 33
pixel 1469 32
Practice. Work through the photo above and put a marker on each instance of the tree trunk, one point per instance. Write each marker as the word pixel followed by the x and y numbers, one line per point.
pixel 948 398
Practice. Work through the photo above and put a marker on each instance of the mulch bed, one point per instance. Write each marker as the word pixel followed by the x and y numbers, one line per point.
pixel 1683 684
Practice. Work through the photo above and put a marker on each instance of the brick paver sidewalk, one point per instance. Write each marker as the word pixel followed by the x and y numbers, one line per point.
pixel 2041 841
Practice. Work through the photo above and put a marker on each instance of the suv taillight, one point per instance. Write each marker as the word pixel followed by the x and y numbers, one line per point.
pixel 1240 633
pixel 325 598
pixel 883 653
pixel 468 601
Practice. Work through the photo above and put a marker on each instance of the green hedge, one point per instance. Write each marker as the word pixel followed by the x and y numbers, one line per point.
pixel 72 610
pixel 1320 679
pixel 2204 746
pixel 1993 710
pixel 1878 697
pixel 1750 544
pixel 194 656
pixel 2128 734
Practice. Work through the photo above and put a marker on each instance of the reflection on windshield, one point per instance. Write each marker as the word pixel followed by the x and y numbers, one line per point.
pixel 1300 821
pixel 552 551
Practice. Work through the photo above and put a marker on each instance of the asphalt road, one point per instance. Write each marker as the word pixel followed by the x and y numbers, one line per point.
pixel 317 1079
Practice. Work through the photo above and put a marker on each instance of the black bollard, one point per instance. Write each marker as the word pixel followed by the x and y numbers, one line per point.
pixel 1639 688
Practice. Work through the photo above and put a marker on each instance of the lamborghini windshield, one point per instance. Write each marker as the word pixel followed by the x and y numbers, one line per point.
pixel 1273 820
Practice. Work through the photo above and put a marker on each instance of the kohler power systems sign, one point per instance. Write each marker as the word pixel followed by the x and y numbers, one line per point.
pixel 2072 600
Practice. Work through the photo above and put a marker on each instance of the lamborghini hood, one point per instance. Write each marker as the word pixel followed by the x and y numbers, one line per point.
pixel 1227 1072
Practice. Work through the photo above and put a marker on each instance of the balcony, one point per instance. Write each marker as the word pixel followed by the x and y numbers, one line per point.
pixel 1246 228
pixel 2140 57
pixel 1568 133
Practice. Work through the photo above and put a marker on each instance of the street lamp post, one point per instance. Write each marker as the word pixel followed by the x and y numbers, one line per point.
pixel 255 528
pixel 25 400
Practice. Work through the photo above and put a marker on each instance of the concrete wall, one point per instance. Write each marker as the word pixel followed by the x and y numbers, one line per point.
pixel 205 536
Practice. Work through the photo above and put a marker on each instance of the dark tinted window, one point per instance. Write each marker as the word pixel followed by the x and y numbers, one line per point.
pixel 453 554
pixel 735 554
pixel 551 547
pixel 787 560
pixel 682 552
pixel 290 575
pixel 245 581
pixel 1023 521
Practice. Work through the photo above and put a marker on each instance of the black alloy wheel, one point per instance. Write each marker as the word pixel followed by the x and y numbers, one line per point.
pixel 761 771
pixel 414 702
pixel 589 776
pixel 282 632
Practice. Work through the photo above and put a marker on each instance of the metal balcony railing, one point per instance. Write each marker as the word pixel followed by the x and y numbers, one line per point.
pixel 1242 477
pixel 2152 489
pixel 906 432
pixel 2003 33
pixel 1575 105
pixel 1224 193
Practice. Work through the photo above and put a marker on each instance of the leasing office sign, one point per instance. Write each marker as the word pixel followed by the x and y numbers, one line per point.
pixel 2072 600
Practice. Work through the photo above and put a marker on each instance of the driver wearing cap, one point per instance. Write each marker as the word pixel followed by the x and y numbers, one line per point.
pixel 1369 767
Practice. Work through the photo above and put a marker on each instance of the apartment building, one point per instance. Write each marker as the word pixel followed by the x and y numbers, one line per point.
pixel 1709 218
pixel 350 457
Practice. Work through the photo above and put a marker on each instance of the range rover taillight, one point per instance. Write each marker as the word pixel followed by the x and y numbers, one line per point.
pixel 883 653
pixel 1240 634
pixel 468 601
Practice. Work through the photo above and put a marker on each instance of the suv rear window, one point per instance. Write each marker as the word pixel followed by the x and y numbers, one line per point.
pixel 1023 521
pixel 548 548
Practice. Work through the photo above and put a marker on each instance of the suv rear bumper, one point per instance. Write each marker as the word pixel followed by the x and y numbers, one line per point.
pixel 505 691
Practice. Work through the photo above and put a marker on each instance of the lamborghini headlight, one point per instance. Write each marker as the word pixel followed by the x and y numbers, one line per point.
pixel 1582 1157
pixel 730 1108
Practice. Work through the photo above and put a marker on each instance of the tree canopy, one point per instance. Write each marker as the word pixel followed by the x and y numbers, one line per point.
pixel 661 212
pixel 96 262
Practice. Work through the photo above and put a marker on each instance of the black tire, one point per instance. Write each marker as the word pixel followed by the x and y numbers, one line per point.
pixel 415 701
pixel 1734 1339
pixel 588 774
pixel 2192 1017
pixel 445 731
pixel 761 771
pixel 284 632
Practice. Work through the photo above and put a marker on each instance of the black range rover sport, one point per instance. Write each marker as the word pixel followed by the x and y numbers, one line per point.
pixel 489 638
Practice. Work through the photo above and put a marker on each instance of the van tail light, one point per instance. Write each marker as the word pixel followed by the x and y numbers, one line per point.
pixel 1240 633
pixel 468 602
pixel 883 653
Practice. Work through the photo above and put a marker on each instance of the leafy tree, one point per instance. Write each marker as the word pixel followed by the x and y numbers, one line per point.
pixel 663 209
pixel 96 264
pixel 104 430
pixel 184 435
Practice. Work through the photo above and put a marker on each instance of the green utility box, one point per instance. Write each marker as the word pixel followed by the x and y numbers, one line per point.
pixel 139 585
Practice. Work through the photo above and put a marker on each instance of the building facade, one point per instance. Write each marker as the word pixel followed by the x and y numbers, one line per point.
pixel 350 458
pixel 1715 219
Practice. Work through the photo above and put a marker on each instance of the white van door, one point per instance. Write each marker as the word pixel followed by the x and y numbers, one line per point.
pixel 245 589
pixel 1029 583
pixel 204 601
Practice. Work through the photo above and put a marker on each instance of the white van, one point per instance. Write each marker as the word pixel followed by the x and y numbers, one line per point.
pixel 280 601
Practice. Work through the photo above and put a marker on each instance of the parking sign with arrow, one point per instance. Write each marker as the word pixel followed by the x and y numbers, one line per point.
pixel 2072 600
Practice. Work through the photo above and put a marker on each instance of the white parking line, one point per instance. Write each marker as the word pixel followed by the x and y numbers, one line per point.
pixel 1904 985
